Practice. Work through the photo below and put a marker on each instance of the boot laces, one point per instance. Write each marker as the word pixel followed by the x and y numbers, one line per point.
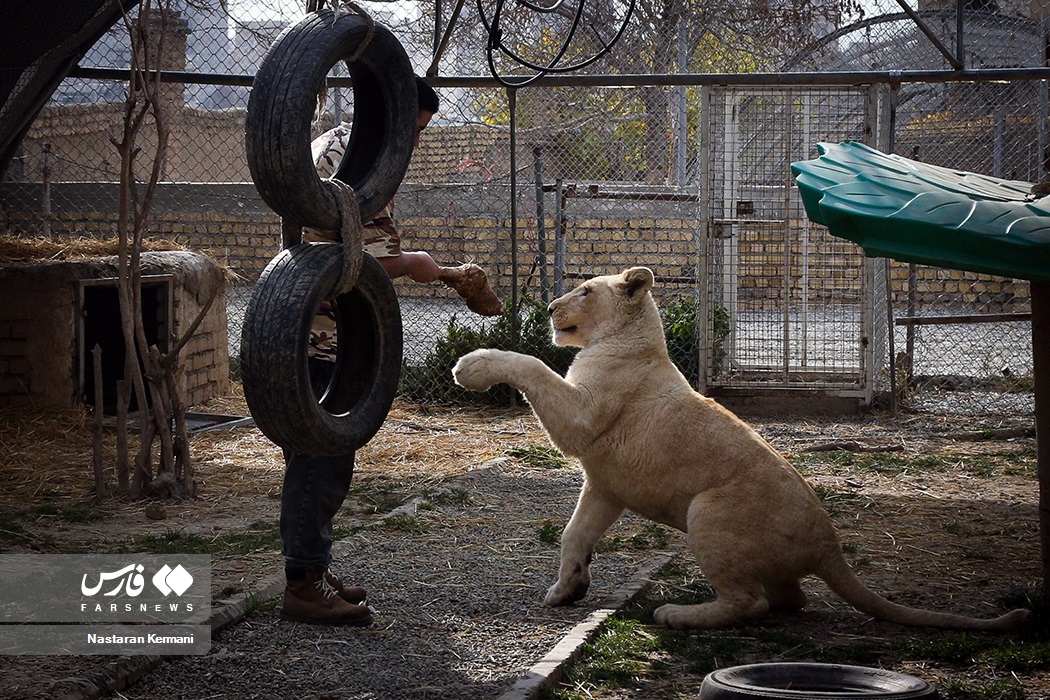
pixel 326 589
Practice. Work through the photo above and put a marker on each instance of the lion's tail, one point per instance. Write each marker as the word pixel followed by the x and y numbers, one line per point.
pixel 841 579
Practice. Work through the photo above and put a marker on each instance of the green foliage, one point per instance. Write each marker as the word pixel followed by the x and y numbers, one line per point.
pixel 620 653
pixel 432 381
pixel 14 532
pixel 404 523
pixel 622 135
pixel 455 496
pixel 680 320
pixel 1000 689
pixel 1031 651
pixel 954 647
pixel 260 536
pixel 1017 657
pixel 632 656
pixel 982 465
pixel 837 501
pixel 651 536
pixel 683 338
pixel 258 606
pixel 550 532
pixel 374 496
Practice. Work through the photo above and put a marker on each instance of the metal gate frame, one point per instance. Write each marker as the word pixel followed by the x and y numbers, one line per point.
pixel 721 217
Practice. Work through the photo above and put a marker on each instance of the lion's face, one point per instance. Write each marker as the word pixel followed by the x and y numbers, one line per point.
pixel 598 307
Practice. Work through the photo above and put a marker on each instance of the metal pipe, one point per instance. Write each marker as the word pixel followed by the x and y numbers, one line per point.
pixel 46 187
pixel 704 267
pixel 512 102
pixel 788 256
pixel 560 231
pixel 441 42
pixel 831 78
pixel 925 29
pixel 839 78
pixel 681 120
pixel 1040 292
pixel 541 225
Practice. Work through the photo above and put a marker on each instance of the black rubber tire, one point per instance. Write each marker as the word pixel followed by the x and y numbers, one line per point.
pixel 802 681
pixel 282 104
pixel 274 341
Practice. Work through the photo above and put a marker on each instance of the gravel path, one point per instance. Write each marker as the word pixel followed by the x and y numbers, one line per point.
pixel 456 581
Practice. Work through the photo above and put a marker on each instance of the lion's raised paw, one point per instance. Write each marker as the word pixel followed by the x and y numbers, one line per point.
pixel 477 370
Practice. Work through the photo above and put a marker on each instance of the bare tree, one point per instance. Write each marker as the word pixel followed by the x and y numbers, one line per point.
pixel 150 374
pixel 663 37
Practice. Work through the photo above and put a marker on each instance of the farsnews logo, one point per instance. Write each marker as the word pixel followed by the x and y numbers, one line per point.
pixel 169 580
pixel 105 588
pixel 131 581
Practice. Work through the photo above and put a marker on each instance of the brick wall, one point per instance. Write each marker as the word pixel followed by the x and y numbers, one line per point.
pixel 231 225
pixel 14 360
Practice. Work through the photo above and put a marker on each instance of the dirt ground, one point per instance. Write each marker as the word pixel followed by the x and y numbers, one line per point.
pixel 959 535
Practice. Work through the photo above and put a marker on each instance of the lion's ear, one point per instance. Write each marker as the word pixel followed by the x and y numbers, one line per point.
pixel 637 280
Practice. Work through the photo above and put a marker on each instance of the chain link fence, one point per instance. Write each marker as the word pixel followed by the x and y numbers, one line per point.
pixel 551 183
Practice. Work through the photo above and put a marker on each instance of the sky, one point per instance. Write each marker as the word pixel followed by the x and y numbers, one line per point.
pixel 292 9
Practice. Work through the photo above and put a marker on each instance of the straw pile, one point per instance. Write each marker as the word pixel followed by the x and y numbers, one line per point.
pixel 15 249
pixel 46 457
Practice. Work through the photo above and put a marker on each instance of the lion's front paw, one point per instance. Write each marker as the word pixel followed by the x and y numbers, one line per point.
pixel 477 370
pixel 566 594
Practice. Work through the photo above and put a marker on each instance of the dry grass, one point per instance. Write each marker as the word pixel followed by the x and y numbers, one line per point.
pixel 37 248
pixel 975 489
pixel 46 459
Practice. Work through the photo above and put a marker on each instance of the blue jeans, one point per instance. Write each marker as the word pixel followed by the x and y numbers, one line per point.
pixel 314 491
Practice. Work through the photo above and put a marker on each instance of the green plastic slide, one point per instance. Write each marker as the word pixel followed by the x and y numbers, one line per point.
pixel 910 211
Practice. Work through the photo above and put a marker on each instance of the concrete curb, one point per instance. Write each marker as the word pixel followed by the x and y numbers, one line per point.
pixel 551 669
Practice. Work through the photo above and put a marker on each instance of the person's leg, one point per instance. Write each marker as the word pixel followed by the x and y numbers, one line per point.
pixel 416 265
pixel 313 492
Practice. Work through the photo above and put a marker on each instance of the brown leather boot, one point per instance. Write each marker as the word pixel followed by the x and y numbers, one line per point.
pixel 313 600
pixel 351 594
pixel 470 282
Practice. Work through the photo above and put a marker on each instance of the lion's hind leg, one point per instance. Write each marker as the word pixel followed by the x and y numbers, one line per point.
pixel 735 603
pixel 731 607
pixel 728 558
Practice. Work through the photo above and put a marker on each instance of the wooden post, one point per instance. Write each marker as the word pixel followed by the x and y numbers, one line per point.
pixel 96 446
pixel 1040 292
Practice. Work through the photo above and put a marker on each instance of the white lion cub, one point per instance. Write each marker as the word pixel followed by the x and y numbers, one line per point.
pixel 649 443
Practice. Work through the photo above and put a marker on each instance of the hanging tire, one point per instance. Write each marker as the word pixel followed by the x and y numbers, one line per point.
pixel 351 407
pixel 281 108
pixel 809 681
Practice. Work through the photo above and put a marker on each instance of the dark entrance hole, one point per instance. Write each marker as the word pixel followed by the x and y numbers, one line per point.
pixel 100 325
